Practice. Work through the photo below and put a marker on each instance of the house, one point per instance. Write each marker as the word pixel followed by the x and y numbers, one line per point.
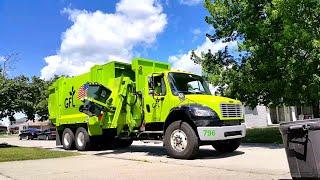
pixel 262 116
pixel 257 117
pixel 14 127
pixel 42 125
pixel 23 124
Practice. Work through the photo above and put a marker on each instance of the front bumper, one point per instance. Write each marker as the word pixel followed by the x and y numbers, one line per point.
pixel 221 132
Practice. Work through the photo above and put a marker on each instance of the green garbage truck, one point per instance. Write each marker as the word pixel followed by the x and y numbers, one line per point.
pixel 118 103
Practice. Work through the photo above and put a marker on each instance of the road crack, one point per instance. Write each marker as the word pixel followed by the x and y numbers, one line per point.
pixel 6 176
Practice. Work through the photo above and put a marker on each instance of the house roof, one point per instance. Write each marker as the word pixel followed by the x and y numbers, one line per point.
pixel 24 119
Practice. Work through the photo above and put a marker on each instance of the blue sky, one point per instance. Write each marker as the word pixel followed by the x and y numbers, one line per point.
pixel 35 29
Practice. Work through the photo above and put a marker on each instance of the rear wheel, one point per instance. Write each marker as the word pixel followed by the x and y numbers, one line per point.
pixel 82 139
pixel 226 146
pixel 181 141
pixel 67 139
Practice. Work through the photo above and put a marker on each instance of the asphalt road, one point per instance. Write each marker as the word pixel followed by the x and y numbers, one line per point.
pixel 149 161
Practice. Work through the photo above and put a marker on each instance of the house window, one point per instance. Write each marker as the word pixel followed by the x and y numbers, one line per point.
pixel 274 115
pixel 280 114
pixel 304 112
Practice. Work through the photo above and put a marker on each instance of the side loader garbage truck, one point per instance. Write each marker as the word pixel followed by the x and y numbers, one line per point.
pixel 118 102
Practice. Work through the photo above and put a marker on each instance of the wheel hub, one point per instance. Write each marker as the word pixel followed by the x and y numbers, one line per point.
pixel 178 140
pixel 67 139
pixel 80 139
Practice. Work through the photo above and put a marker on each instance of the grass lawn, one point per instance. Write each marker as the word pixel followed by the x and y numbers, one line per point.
pixel 263 135
pixel 8 136
pixel 28 153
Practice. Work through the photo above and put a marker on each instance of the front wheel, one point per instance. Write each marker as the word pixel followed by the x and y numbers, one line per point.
pixel 181 141
pixel 227 146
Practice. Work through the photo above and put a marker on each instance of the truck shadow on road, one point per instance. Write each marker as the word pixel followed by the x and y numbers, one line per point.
pixel 263 145
pixel 160 152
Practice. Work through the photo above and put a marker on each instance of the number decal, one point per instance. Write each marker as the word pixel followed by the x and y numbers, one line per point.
pixel 209 133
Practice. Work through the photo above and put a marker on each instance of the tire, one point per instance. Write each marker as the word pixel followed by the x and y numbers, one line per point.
pixel 123 143
pixel 82 139
pixel 188 145
pixel 67 139
pixel 227 146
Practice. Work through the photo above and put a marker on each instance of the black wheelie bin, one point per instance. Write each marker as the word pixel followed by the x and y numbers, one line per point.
pixel 301 140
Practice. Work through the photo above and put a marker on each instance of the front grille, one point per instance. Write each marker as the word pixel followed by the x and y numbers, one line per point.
pixel 226 123
pixel 231 110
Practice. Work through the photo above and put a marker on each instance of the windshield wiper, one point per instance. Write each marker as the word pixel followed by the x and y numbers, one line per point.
pixel 189 92
pixel 199 92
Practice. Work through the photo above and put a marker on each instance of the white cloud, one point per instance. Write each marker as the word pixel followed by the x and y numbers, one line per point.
pixel 190 2
pixel 196 33
pixel 183 61
pixel 1 58
pixel 96 37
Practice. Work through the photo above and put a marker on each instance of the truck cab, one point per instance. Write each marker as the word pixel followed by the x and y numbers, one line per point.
pixel 175 96
pixel 145 100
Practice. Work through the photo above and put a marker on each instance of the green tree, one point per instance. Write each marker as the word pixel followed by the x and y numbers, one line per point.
pixel 33 97
pixel 20 94
pixel 280 45
pixel 8 98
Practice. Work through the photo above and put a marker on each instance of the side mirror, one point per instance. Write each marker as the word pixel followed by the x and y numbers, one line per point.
pixel 151 92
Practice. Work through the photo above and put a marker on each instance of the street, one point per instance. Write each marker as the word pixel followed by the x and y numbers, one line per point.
pixel 149 161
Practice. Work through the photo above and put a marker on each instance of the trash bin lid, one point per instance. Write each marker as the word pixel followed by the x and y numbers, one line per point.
pixel 310 124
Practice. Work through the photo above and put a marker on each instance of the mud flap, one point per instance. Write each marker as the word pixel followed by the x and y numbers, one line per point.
pixel 58 139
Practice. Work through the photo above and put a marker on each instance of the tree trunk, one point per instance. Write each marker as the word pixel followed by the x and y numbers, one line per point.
pixel 316 110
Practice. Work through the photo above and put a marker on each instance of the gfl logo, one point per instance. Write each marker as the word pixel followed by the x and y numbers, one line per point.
pixel 68 102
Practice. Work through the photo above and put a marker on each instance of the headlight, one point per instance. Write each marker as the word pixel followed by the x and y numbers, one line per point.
pixel 203 111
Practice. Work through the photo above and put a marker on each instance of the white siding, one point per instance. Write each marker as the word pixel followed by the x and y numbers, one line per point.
pixel 257 117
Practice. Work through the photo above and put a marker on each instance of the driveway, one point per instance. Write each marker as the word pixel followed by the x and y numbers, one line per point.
pixel 149 160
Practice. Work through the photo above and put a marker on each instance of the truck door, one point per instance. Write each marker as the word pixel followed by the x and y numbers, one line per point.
pixel 155 98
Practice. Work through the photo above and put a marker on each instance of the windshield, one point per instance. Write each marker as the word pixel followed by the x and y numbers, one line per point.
pixel 187 84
